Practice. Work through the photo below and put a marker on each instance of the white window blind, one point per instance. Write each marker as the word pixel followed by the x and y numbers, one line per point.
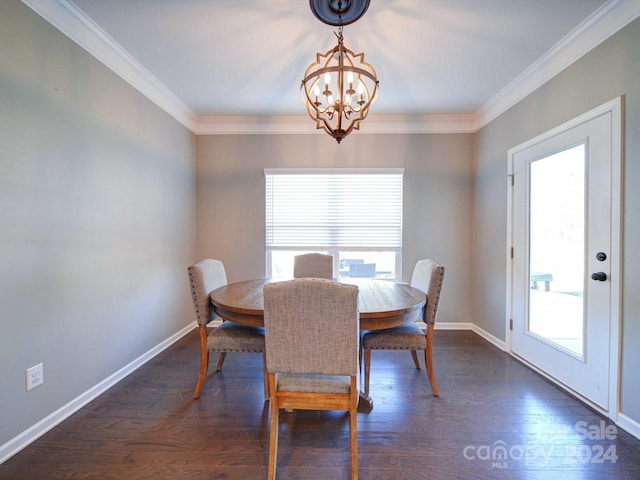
pixel 337 209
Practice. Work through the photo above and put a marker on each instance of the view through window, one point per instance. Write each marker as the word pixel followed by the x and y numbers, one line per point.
pixel 355 215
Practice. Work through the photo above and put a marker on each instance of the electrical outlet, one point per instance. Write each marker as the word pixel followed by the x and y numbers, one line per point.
pixel 34 376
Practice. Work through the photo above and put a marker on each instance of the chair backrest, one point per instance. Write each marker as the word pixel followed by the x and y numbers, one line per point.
pixel 428 276
pixel 362 270
pixel 312 326
pixel 204 277
pixel 316 265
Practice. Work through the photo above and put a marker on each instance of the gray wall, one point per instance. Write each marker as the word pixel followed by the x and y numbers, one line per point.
pixel 610 70
pixel 97 220
pixel 437 198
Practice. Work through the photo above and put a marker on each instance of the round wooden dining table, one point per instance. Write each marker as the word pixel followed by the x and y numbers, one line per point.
pixel 382 304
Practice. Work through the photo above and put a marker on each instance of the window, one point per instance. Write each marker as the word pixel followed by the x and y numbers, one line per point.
pixel 353 215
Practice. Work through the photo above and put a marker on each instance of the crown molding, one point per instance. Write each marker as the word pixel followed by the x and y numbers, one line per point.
pixel 70 20
pixel 602 24
pixel 75 24
pixel 302 124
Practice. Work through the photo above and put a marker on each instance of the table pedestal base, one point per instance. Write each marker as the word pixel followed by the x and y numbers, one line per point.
pixel 365 401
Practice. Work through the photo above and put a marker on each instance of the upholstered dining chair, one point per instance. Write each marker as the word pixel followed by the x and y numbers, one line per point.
pixel 312 340
pixel 362 270
pixel 316 265
pixel 204 277
pixel 428 276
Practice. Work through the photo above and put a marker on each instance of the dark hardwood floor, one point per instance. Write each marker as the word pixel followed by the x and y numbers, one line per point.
pixel 149 427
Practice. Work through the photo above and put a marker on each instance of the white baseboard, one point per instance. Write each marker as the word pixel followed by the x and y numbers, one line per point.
pixel 629 425
pixel 453 326
pixel 489 338
pixel 34 432
pixel 474 328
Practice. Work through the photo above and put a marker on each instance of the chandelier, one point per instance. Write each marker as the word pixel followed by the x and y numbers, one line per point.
pixel 339 87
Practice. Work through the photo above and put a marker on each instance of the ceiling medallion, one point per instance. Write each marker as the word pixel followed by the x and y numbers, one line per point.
pixel 339 87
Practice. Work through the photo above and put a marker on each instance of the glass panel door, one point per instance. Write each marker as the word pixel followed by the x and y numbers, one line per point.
pixel 565 227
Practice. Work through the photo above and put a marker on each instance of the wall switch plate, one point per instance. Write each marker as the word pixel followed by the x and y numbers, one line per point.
pixel 34 376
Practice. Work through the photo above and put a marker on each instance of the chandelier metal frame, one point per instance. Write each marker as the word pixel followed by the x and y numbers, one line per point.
pixel 339 87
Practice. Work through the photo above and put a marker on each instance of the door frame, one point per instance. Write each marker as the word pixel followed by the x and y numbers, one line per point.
pixel 615 107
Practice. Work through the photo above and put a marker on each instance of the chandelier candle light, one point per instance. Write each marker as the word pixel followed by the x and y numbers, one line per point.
pixel 339 87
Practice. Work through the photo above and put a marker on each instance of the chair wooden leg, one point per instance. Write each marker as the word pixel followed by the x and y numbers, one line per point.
pixel 221 361
pixel 273 429
pixel 265 376
pixel 414 354
pixel 367 367
pixel 204 360
pixel 353 428
pixel 428 358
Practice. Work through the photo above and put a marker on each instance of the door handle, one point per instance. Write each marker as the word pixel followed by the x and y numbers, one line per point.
pixel 599 276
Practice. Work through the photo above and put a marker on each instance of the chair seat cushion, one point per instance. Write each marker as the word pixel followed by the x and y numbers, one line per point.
pixel 405 337
pixel 232 337
pixel 296 382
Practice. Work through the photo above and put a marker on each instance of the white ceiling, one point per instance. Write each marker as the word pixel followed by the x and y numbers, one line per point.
pixel 229 58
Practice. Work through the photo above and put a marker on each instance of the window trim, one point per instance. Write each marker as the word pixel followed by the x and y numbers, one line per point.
pixel 337 171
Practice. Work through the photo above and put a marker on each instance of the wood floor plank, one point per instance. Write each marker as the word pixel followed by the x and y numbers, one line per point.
pixel 149 427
